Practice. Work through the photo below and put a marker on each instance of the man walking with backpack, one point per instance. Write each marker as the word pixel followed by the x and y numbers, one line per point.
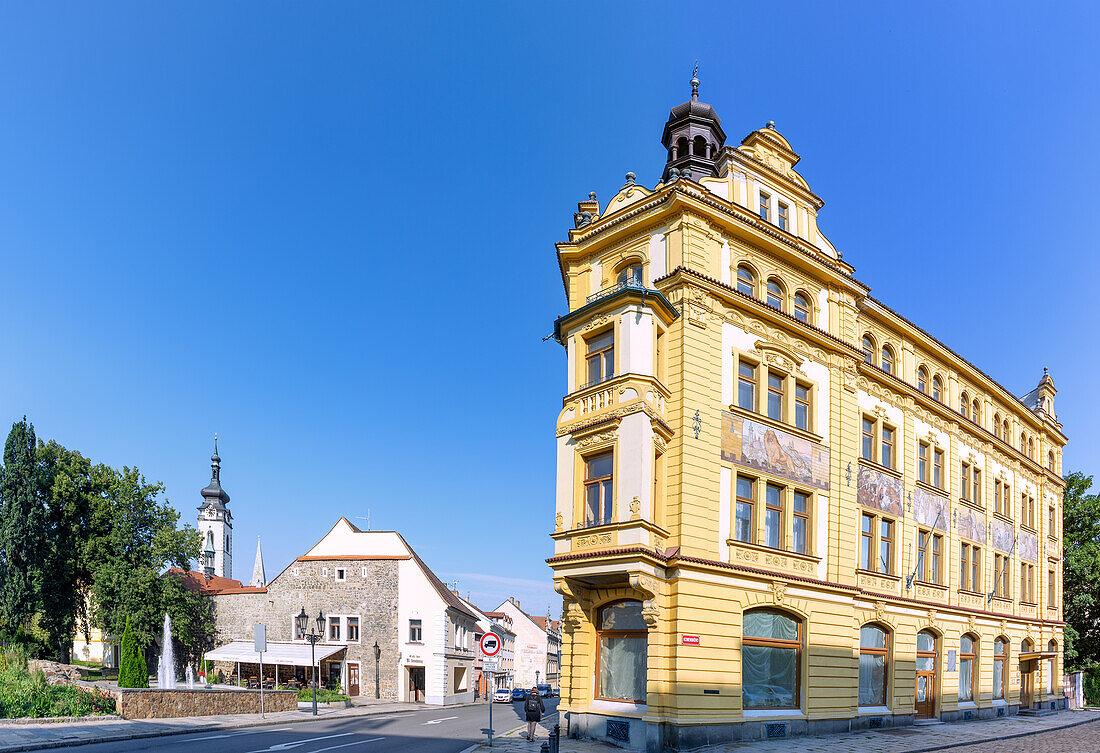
pixel 533 709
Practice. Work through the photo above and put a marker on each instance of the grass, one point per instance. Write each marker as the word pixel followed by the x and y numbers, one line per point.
pixel 25 694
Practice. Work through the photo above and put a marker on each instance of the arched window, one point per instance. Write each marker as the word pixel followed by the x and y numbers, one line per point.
pixel 746 280
pixel 682 147
pixel 1023 442
pixel 631 275
pixel 937 388
pixel 926 673
pixel 622 635
pixel 1025 646
pixel 1031 448
pixel 227 543
pixel 964 405
pixel 868 349
pixel 210 540
pixel 874 649
pixel 887 359
pixel 976 412
pixel 1000 661
pixel 1006 432
pixel 922 379
pixel 997 425
pixel 775 294
pixel 1052 664
pixel 771 652
pixel 968 653
pixel 699 146
pixel 801 307
pixel 1050 460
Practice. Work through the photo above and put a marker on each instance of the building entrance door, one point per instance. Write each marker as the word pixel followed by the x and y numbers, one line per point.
pixel 416 684
pixel 925 706
pixel 1027 684
pixel 353 678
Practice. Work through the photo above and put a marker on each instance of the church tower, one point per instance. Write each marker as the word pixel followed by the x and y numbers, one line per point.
pixel 216 523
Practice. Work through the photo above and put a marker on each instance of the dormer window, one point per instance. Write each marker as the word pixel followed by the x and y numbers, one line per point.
pixel 783 209
pixel 765 206
pixel 746 281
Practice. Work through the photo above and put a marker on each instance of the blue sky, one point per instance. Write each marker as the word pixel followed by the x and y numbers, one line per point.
pixel 325 231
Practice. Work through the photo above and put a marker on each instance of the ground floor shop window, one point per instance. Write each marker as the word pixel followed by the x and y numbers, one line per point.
pixel 771 649
pixel 967 654
pixel 621 664
pixel 874 646
pixel 1000 654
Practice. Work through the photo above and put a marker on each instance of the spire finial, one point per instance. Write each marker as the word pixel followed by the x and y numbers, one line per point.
pixel 695 82
pixel 1045 372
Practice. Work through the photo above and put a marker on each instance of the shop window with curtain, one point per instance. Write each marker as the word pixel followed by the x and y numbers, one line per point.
pixel 1000 654
pixel 967 655
pixel 874 646
pixel 771 649
pixel 621 664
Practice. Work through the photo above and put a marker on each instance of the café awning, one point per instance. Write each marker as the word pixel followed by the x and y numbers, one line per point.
pixel 288 654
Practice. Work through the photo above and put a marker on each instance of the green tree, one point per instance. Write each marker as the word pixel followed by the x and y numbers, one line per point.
pixel 22 530
pixel 133 672
pixel 1081 569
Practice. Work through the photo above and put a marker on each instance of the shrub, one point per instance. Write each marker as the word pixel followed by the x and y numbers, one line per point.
pixel 132 671
pixel 1092 686
pixel 324 695
pixel 29 695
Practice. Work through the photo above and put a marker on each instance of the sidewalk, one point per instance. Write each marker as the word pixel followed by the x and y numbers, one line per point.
pixel 918 739
pixel 30 736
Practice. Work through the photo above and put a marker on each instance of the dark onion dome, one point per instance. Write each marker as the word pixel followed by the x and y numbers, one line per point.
pixel 692 138
pixel 213 495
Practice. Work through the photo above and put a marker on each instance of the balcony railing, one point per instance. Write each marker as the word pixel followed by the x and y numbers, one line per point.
pixel 590 400
pixel 631 283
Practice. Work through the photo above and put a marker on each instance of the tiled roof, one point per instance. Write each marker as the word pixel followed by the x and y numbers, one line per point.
pixel 213 585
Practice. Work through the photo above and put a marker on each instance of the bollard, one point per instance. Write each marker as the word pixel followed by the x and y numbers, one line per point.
pixel 555 739
pixel 545 748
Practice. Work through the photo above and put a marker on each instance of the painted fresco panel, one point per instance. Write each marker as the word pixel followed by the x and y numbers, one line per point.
pixel 1029 547
pixel 930 508
pixel 754 445
pixel 879 490
pixel 971 525
pixel 1003 535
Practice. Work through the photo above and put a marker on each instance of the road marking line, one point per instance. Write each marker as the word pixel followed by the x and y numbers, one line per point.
pixel 346 745
pixel 295 744
pixel 237 734
pixel 444 719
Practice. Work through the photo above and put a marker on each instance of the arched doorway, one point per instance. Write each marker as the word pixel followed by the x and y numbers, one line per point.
pixel 1028 664
pixel 927 660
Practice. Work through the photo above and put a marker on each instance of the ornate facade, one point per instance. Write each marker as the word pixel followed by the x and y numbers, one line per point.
pixel 781 506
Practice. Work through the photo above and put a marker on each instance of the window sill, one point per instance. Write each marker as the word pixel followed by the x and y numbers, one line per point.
pixel 930 584
pixel 880 467
pixel 1005 518
pixel 600 704
pixel 772 550
pixel 873 710
pixel 1029 604
pixel 974 505
pixel 1000 702
pixel 1029 529
pixel 878 574
pixel 773 713
pixel 781 425
pixel 929 487
pixel 967 705
pixel 969 592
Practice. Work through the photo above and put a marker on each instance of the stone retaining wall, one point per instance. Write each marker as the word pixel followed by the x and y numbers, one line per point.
pixel 134 703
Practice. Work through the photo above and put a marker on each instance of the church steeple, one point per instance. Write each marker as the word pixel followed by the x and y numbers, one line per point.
pixel 259 577
pixel 693 136
pixel 213 495
pixel 215 523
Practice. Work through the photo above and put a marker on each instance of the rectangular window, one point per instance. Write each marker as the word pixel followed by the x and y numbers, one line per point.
pixel 975 569
pixel 886 546
pixel 773 516
pixel 922 462
pixel 887 458
pixel 1000 582
pixel 1051 589
pixel 867 450
pixel 964 569
pixel 334 629
pixel 341 574
pixel 782 215
pixel 964 481
pixel 802 406
pixel 997 496
pixel 977 496
pixel 353 629
pixel 937 468
pixel 934 565
pixel 775 396
pixel 1052 532
pixel 801 522
pixel 599 486
pixel 746 386
pixel 867 541
pixel 416 631
pixel 765 206
pixel 601 357
pixel 743 517
pixel 922 560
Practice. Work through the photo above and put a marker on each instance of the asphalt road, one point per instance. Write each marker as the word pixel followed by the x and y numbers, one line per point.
pixel 436 730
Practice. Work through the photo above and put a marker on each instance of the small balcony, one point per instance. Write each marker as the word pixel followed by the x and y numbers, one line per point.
pixel 594 400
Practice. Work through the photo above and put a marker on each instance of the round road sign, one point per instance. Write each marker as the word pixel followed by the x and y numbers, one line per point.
pixel 490 644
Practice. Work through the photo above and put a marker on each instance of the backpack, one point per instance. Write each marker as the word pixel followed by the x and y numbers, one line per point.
pixel 533 702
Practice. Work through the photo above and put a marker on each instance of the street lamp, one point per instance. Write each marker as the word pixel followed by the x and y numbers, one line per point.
pixel 377 656
pixel 302 621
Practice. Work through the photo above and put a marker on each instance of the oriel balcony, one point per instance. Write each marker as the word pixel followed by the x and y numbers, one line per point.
pixel 616 396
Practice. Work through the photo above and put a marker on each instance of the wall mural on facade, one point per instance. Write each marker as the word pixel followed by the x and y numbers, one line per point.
pixel 1028 545
pixel 971 525
pixel 927 507
pixel 755 445
pixel 879 490
pixel 1002 535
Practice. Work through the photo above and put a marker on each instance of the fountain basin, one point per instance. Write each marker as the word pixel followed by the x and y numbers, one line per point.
pixel 154 703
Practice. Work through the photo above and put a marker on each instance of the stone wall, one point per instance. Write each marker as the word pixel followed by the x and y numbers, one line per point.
pixel 368 591
pixel 133 703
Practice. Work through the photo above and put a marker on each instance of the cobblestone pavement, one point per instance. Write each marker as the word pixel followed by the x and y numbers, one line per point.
pixel 1064 732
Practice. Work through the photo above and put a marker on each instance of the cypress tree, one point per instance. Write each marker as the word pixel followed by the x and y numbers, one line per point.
pixel 22 528
pixel 132 671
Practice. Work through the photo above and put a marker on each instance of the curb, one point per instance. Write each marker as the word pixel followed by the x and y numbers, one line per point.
pixel 212 727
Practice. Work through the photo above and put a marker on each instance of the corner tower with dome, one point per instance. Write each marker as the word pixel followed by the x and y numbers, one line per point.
pixel 215 523
pixel 782 506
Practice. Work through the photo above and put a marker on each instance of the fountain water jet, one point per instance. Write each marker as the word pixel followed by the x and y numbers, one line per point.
pixel 190 678
pixel 166 665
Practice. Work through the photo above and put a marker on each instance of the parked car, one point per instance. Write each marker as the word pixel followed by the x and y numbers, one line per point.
pixel 519 694
pixel 503 695
pixel 545 690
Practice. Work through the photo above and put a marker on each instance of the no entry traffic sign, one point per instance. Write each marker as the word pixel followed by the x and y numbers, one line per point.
pixel 490 644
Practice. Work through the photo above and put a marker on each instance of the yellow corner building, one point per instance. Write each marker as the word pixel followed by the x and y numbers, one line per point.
pixel 783 508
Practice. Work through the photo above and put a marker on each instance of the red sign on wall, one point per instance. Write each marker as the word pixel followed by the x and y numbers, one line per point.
pixel 689 640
